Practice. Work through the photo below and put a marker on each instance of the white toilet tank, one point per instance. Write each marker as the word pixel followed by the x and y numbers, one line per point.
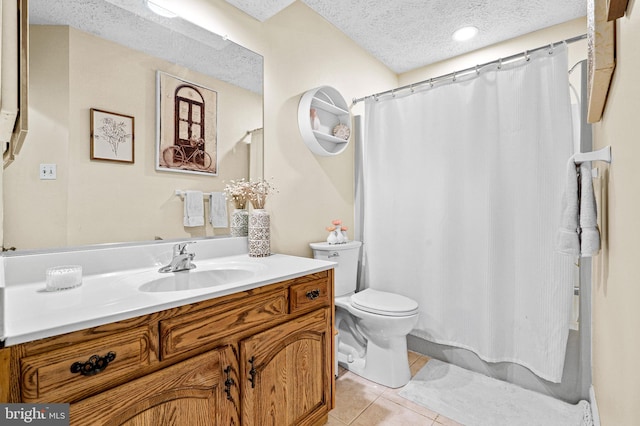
pixel 346 255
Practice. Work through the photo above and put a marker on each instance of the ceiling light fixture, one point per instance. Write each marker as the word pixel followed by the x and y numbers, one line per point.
pixel 156 8
pixel 465 33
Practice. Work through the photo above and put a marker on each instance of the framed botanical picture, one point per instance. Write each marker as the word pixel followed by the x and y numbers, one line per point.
pixel 112 136
pixel 186 126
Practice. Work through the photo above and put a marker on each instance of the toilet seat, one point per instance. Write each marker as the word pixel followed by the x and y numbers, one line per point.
pixel 384 303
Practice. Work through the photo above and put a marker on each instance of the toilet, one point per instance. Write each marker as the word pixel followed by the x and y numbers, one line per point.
pixel 372 325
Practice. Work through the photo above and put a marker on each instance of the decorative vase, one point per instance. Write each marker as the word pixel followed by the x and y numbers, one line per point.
pixel 259 233
pixel 240 223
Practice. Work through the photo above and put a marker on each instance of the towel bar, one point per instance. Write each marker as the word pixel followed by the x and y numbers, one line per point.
pixel 180 193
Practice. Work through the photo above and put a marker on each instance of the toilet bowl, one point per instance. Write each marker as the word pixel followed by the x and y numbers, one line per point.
pixel 372 325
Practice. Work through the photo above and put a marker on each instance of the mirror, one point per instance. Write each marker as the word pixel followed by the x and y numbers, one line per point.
pixel 105 55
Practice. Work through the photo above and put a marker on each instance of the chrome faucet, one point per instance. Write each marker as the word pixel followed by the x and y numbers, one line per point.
pixel 181 259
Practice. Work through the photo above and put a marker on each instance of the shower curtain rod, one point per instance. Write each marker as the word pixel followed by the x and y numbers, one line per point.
pixel 476 68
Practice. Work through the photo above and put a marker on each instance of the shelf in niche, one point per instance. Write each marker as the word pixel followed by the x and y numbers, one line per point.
pixel 331 109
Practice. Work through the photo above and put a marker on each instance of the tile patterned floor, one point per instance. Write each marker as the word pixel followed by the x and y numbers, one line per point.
pixel 360 402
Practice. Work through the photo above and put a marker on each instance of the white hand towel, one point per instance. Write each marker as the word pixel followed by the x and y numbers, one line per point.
pixel 193 208
pixel 218 210
pixel 589 235
pixel 568 239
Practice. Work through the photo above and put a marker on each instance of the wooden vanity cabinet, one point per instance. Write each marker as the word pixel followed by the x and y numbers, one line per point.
pixel 258 357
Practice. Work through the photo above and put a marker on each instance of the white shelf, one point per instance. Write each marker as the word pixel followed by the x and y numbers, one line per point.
pixel 326 106
pixel 329 138
pixel 331 110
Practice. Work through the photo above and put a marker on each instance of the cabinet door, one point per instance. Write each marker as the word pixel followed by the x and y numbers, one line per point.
pixel 190 393
pixel 286 373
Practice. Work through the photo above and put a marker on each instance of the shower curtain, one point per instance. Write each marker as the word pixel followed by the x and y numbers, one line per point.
pixel 462 190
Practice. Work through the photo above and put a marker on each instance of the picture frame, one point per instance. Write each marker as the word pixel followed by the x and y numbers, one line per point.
pixel 616 9
pixel 601 58
pixel 112 136
pixel 187 128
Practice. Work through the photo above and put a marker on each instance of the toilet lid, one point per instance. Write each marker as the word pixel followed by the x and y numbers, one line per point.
pixel 384 303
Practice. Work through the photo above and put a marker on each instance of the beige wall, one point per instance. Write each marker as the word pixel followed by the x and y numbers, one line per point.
pixel 616 315
pixel 97 201
pixel 306 52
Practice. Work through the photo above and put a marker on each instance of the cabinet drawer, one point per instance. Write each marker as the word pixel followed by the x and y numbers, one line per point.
pixel 309 295
pixel 48 377
pixel 198 329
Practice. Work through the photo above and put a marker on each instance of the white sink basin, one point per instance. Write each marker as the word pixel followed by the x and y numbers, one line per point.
pixel 196 279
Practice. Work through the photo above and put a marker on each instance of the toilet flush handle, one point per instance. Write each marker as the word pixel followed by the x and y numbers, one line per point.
pixel 334 254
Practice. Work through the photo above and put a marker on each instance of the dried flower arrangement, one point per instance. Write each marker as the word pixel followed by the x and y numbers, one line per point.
pixel 238 192
pixel 241 191
pixel 258 192
pixel 337 232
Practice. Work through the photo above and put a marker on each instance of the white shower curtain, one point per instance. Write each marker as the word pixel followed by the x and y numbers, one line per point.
pixel 462 190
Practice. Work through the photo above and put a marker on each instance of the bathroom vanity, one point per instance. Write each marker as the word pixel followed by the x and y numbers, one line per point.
pixel 256 350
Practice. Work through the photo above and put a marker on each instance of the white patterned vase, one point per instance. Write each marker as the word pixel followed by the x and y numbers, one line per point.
pixel 259 233
pixel 240 223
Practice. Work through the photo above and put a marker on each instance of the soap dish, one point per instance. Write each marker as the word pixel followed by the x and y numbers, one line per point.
pixel 64 277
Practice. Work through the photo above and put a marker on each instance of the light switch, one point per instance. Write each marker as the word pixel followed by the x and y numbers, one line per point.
pixel 47 171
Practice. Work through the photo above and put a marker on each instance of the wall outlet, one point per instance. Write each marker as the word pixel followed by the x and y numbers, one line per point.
pixel 48 172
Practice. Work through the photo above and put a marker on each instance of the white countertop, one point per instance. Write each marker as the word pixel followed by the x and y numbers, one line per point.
pixel 31 312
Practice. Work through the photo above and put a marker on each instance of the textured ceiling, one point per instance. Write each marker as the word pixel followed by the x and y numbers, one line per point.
pixel 408 34
pixel 131 24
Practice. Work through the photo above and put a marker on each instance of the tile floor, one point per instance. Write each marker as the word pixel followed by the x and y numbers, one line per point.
pixel 360 402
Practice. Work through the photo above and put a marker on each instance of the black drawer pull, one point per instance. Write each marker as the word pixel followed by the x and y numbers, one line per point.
pixel 94 365
pixel 228 382
pixel 252 372
pixel 313 294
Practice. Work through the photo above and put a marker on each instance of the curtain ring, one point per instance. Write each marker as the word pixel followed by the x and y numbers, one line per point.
pixel 477 70
pixel 375 97
pixel 411 88
pixel 393 93
pixel 500 63
pixel 551 49
pixel 526 55
pixel 454 76
pixel 431 82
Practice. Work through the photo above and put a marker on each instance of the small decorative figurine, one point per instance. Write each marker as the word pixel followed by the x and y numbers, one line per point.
pixel 337 233
pixel 315 121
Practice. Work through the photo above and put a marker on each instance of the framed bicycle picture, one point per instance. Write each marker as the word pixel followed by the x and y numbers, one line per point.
pixel 111 136
pixel 186 126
